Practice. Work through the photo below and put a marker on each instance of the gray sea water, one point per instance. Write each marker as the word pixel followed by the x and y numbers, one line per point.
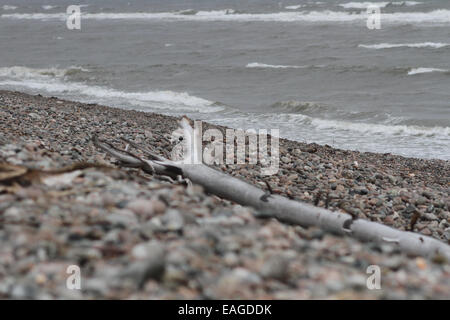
pixel 310 68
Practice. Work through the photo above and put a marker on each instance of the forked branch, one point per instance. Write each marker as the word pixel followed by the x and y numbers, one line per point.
pixel 279 207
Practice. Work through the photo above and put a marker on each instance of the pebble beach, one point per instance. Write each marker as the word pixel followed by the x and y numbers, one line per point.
pixel 138 236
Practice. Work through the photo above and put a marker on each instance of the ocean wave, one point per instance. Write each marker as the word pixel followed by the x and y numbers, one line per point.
pixel 345 69
pixel 435 45
pixel 365 5
pixel 370 128
pixel 348 129
pixel 321 110
pixel 7 7
pixel 48 7
pixel 435 17
pixel 28 73
pixel 191 12
pixel 52 80
pixel 390 70
pixel 327 118
pixel 368 68
pixel 368 136
pixel 296 7
pixel 425 70
pixel 270 66
pixel 303 107
pixel 381 128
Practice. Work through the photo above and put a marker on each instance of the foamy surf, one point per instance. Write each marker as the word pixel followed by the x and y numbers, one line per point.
pixel 7 7
pixel 433 45
pixel 365 5
pixel 27 73
pixel 379 129
pixel 53 81
pixel 407 140
pixel 296 7
pixel 310 113
pixel 440 16
pixel 48 7
pixel 271 66
pixel 425 70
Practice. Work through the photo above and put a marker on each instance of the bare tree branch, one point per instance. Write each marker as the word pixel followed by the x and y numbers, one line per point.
pixel 281 208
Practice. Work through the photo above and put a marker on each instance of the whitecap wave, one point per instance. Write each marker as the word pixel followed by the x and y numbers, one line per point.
pixel 382 137
pixel 29 73
pixel 7 7
pixel 425 70
pixel 48 7
pixel 310 113
pixel 406 3
pixel 296 7
pixel 52 80
pixel 434 45
pixel 362 5
pixel 350 128
pixel 271 66
pixel 379 129
pixel 440 16
pixel 365 5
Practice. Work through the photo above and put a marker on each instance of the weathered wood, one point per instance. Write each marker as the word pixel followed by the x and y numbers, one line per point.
pixel 283 209
pixel 307 215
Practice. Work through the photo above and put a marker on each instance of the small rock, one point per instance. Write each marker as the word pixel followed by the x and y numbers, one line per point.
pixel 152 267
pixel 235 282
pixel 430 216
pixel 410 208
pixel 146 208
pixel 23 291
pixel 357 281
pixel 13 214
pixel 34 115
pixel 97 285
pixel 173 220
pixel 285 159
pixel 122 218
pixel 447 234
pixel 361 190
pixel 231 259
pixel 143 250
pixel 276 267
pixel 420 201
pixel 392 179
pixel 427 194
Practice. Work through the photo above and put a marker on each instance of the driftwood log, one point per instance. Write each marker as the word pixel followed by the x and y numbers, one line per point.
pixel 275 206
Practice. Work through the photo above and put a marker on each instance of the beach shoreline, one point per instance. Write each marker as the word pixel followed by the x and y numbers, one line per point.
pixel 48 133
